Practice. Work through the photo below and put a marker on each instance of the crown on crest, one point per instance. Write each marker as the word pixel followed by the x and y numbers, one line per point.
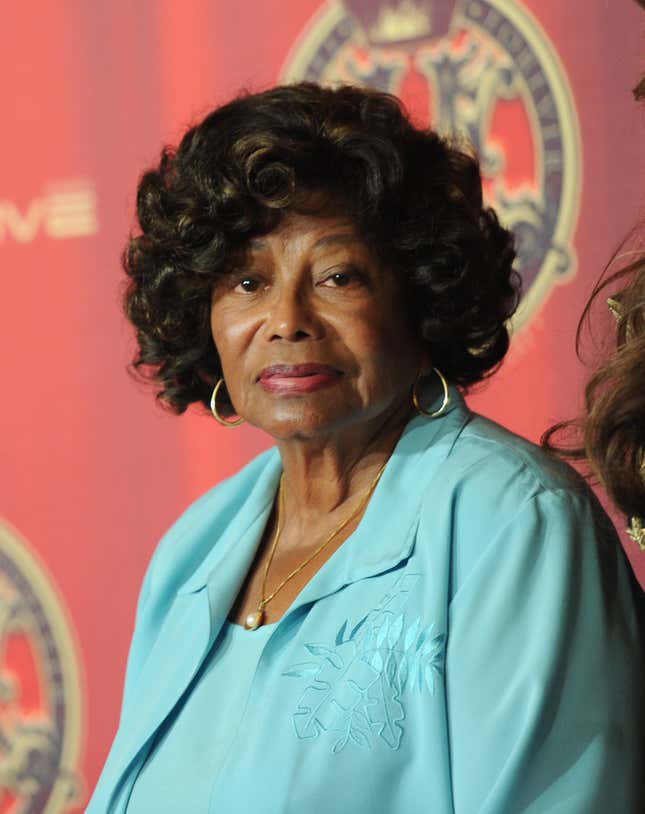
pixel 394 22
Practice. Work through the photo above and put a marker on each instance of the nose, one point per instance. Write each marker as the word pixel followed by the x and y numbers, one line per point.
pixel 293 316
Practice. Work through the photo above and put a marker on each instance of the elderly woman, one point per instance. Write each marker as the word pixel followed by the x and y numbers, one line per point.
pixel 402 607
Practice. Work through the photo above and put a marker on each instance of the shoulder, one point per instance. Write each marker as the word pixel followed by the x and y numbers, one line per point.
pixel 504 496
pixel 492 472
pixel 485 452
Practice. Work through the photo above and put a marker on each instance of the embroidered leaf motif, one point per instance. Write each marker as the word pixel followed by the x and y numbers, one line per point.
pixel 429 663
pixel 434 644
pixel 369 640
pixel 388 712
pixel 330 701
pixel 357 627
pixel 437 663
pixel 419 672
pixel 359 728
pixel 394 632
pixel 341 633
pixel 306 719
pixel 361 719
pixel 380 636
pixel 302 669
pixel 391 668
pixel 320 650
pixel 359 737
pixel 411 634
pixel 340 744
pixel 429 676
pixel 402 675
pixel 354 687
pixel 424 635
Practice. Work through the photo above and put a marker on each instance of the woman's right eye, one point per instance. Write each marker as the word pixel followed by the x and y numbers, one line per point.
pixel 248 285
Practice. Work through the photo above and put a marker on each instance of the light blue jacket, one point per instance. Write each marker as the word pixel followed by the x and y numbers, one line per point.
pixel 472 648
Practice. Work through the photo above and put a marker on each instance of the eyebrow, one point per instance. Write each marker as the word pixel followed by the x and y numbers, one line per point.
pixel 343 238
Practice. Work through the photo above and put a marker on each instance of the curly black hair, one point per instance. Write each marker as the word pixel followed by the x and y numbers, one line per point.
pixel 415 197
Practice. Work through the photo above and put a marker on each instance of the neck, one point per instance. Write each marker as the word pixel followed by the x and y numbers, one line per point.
pixel 323 474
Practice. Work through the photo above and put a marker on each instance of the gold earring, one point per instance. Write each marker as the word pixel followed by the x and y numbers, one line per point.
pixel 446 395
pixel 216 415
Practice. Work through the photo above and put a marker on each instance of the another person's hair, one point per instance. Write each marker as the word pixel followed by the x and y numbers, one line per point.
pixel 610 434
pixel 415 198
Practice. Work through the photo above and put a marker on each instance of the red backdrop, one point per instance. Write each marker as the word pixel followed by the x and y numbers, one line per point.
pixel 92 471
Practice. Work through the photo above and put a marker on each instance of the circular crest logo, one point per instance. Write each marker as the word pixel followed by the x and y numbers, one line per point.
pixel 480 69
pixel 40 692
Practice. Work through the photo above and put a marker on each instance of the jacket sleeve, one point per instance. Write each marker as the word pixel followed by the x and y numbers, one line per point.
pixel 544 671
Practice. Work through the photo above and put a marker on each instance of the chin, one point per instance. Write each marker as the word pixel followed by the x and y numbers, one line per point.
pixel 301 421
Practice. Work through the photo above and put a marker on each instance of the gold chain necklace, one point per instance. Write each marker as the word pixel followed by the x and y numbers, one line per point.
pixel 256 617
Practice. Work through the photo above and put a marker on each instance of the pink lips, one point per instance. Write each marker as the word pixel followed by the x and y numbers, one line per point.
pixel 296 379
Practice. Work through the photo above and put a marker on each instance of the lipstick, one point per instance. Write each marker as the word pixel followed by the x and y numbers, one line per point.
pixel 297 379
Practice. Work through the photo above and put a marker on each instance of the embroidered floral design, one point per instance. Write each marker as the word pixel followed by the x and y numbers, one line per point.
pixel 357 683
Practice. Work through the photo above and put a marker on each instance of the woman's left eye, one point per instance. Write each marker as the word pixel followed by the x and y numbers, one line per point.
pixel 342 279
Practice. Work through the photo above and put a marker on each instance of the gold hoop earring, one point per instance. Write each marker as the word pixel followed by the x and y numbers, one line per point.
pixel 446 395
pixel 216 415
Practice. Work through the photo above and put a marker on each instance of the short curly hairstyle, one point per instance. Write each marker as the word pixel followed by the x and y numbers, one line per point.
pixel 415 198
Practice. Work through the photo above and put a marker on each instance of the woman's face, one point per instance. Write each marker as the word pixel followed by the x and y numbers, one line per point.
pixel 312 331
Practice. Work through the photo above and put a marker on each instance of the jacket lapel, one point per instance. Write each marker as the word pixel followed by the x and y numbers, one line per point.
pixel 174 659
pixel 189 629
pixel 386 535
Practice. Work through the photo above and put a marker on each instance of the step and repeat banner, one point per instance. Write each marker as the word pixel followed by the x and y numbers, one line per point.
pixel 93 471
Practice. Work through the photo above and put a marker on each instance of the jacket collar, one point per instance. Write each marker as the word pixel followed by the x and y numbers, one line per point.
pixel 386 535
pixel 382 540
pixel 232 554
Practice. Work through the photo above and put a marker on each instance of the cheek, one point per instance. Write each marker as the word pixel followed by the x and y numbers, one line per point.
pixel 233 331
pixel 387 354
pixel 230 334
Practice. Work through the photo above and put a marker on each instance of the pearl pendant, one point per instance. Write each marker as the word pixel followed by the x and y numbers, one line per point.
pixel 254 620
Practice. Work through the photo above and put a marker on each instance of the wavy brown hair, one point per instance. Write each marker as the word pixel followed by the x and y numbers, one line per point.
pixel 611 431
pixel 612 428
pixel 415 198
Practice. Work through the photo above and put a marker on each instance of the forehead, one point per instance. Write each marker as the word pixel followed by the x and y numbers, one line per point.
pixel 309 231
